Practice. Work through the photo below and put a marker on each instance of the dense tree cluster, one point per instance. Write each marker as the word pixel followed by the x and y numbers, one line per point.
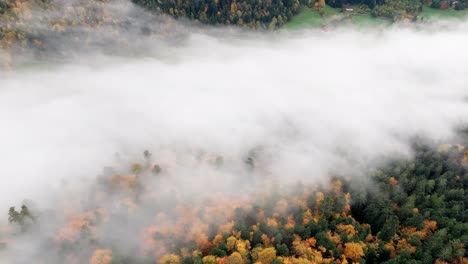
pixel 23 218
pixel 461 5
pixel 252 13
pixel 458 4
pixel 9 35
pixel 55 28
pixel 415 213
pixel 429 191
pixel 398 9
pixel 48 28
pixel 392 9
pixel 418 215
pixel 274 13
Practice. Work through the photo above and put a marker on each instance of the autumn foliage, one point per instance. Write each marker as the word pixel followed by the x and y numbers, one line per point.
pixel 307 223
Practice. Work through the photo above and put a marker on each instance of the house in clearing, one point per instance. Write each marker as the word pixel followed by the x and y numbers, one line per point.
pixel 348 8
pixel 446 4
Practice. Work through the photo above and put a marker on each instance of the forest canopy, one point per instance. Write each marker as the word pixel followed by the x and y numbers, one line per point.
pixel 40 27
pixel 417 214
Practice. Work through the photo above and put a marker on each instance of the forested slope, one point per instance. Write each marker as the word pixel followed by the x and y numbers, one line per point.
pixel 416 214
pixel 275 13
pixel 412 211
pixel 48 28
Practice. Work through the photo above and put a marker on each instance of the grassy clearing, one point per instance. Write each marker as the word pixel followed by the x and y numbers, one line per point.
pixel 437 14
pixel 310 18
pixel 329 11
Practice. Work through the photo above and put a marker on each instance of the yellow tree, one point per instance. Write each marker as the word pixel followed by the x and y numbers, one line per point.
pixel 321 3
pixel 307 217
pixel 267 255
pixel 393 181
pixel 243 247
pixel 231 242
pixel 403 245
pixel 265 240
pixel 348 229
pixel 101 256
pixel 169 259
pixel 353 251
pixel 236 258
pixel 209 259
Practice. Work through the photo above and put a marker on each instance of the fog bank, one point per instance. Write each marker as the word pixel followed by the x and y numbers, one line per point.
pixel 305 98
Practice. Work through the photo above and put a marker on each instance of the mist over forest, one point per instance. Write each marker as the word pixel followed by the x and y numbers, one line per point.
pixel 202 132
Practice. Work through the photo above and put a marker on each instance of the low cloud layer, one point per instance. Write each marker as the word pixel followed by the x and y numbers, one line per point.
pixel 306 104
pixel 305 97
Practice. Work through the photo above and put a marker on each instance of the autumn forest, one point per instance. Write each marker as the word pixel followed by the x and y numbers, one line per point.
pixel 233 131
